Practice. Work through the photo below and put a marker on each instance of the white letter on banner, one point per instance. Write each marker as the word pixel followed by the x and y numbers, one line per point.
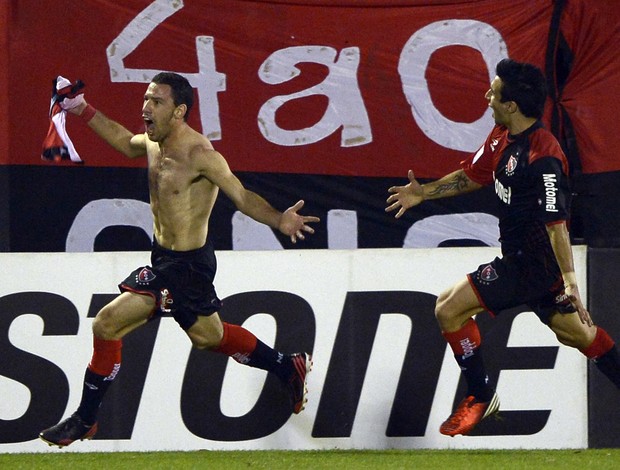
pixel 432 231
pixel 102 213
pixel 248 234
pixel 413 62
pixel 207 81
pixel 345 108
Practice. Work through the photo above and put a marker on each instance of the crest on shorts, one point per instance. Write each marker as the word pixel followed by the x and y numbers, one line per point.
pixel 145 276
pixel 488 273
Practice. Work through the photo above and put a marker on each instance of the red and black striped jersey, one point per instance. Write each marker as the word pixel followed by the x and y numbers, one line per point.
pixel 530 175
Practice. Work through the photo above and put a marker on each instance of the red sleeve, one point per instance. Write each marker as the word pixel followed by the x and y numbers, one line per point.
pixel 544 144
pixel 479 167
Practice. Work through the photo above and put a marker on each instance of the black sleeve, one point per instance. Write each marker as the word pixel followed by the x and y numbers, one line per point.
pixel 551 186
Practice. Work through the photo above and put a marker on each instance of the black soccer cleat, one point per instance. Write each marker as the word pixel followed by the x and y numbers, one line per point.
pixel 68 431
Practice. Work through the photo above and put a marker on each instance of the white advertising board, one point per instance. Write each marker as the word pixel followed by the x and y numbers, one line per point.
pixel 359 313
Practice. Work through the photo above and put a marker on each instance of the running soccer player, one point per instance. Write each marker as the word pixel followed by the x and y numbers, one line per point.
pixel 530 173
pixel 185 174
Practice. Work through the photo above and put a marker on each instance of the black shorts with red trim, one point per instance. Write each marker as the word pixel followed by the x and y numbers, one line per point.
pixel 518 279
pixel 180 282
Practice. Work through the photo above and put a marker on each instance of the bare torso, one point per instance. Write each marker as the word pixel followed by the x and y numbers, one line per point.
pixel 181 196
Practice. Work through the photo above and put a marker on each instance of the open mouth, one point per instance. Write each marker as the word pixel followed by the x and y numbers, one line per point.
pixel 148 124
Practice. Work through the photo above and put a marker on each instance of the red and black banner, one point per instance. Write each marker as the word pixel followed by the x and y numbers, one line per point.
pixel 330 101
pixel 282 85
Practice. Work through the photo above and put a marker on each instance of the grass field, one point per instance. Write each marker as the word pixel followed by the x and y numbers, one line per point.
pixel 599 459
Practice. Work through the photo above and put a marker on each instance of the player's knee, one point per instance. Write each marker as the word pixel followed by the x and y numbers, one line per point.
pixel 577 338
pixel 567 339
pixel 104 326
pixel 205 340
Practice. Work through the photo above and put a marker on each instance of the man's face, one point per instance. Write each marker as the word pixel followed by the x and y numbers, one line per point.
pixel 158 111
pixel 494 97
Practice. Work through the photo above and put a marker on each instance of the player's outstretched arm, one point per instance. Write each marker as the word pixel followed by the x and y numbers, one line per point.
pixel 289 222
pixel 294 224
pixel 120 138
pixel 414 193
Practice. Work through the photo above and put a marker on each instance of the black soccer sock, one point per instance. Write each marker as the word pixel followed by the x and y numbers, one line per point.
pixel 609 364
pixel 466 345
pixel 93 390
pixel 472 368
pixel 267 358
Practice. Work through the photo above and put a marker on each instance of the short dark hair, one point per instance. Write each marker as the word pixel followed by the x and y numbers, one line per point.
pixel 524 84
pixel 182 91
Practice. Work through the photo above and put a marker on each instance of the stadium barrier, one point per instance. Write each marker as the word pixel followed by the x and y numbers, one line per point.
pixel 382 378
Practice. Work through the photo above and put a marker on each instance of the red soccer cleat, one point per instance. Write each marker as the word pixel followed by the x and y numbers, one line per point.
pixel 297 386
pixel 468 414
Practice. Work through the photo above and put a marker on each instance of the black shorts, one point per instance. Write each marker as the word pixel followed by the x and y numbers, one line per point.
pixel 517 279
pixel 180 282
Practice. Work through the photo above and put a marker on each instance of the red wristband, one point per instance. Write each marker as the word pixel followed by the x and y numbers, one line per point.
pixel 88 113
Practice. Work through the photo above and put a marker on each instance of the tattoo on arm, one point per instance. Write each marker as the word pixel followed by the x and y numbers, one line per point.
pixel 456 185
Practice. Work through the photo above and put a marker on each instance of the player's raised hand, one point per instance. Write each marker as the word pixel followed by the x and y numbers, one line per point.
pixel 404 197
pixel 69 96
pixel 294 225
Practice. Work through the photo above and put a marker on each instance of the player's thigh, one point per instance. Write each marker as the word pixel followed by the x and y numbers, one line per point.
pixel 456 305
pixel 570 331
pixel 124 314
